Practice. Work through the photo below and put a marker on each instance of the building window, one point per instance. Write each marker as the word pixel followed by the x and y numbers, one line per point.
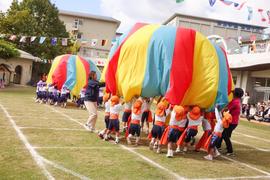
pixel 76 24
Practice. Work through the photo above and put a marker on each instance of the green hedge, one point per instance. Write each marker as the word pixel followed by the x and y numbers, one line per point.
pixel 7 50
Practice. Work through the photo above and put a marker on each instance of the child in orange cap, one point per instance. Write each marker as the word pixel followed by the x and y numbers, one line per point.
pixel 159 125
pixel 207 128
pixel 194 120
pixel 126 114
pixel 134 127
pixel 212 142
pixel 115 109
pixel 175 129
pixel 107 115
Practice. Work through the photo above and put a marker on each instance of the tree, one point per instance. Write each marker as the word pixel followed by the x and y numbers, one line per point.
pixel 7 50
pixel 35 18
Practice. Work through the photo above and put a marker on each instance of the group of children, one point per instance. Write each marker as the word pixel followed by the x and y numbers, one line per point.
pixel 50 94
pixel 173 125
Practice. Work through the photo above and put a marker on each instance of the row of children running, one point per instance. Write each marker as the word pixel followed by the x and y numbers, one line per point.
pixel 51 95
pixel 182 127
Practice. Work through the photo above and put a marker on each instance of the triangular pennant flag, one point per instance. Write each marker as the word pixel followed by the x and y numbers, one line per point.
pixel 212 2
pixel 94 42
pixel 54 41
pixel 104 42
pixel 41 40
pixel 268 14
pixel 64 41
pixel 261 13
pixel 250 13
pixel 23 39
pixel 33 38
pixel 226 2
pixel 12 37
pixel 241 6
pixel 179 1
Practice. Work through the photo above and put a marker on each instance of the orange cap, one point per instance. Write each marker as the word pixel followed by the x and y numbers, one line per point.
pixel 114 100
pixel 106 97
pixel 137 107
pixel 179 112
pixel 227 119
pixel 195 113
pixel 161 107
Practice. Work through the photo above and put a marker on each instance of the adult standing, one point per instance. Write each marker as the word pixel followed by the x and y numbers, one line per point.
pixel 234 108
pixel 91 99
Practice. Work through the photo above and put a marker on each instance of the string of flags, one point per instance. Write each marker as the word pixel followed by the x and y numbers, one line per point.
pixel 264 14
pixel 54 40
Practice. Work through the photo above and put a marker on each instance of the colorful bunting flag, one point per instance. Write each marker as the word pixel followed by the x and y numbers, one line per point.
pixel 12 37
pixel 250 13
pixel 42 39
pixel 23 39
pixel 179 1
pixel 262 16
pixel 94 42
pixel 212 2
pixel 268 14
pixel 103 42
pixel 33 38
pixel 64 41
pixel 54 41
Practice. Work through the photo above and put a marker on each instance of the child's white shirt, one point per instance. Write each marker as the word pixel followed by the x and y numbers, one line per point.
pixel 206 125
pixel 107 107
pixel 116 109
pixel 128 105
pixel 219 126
pixel 173 121
pixel 197 122
pixel 136 116
pixel 145 106
pixel 160 118
pixel 51 89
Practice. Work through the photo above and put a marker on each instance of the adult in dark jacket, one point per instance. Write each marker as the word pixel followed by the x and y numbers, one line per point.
pixel 90 100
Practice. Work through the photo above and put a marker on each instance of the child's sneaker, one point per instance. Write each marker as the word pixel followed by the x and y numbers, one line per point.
pixel 86 127
pixel 37 100
pixel 169 154
pixel 208 157
pixel 217 153
pixel 116 140
pixel 65 105
pixel 155 145
pixel 185 149
pixel 101 135
pixel 230 154
pixel 158 150
pixel 178 150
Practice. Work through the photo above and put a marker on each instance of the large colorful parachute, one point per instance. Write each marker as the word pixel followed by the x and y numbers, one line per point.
pixel 180 64
pixel 71 71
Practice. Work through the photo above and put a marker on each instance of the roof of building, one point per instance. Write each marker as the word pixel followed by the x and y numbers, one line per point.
pixel 26 55
pixel 89 16
pixel 209 19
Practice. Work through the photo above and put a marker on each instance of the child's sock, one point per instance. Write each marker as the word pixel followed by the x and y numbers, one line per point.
pixel 137 140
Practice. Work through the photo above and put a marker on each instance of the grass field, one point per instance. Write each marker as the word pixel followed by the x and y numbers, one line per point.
pixel 45 142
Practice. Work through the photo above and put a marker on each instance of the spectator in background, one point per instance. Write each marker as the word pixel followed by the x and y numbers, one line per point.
pixel 260 114
pixel 245 102
pixel 252 112
pixel 100 96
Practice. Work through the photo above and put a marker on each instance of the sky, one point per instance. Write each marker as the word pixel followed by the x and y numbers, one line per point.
pixel 157 11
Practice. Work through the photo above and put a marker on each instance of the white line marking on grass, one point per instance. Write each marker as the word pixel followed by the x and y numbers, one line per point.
pixel 233 178
pixel 254 137
pixel 67 116
pixel 152 162
pixel 247 165
pixel 56 129
pixel 57 166
pixel 34 154
pixel 259 149
pixel 71 147
pixel 128 149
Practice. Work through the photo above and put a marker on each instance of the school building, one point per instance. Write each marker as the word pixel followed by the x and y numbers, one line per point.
pixel 17 70
pixel 95 33
pixel 250 69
